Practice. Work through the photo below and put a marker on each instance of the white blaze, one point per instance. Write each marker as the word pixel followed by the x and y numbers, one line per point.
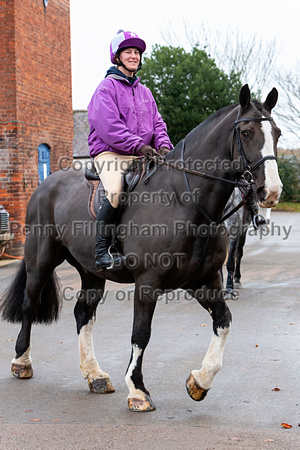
pixel 273 183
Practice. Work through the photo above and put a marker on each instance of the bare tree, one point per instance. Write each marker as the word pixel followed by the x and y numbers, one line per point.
pixel 289 106
pixel 250 57
pixel 254 60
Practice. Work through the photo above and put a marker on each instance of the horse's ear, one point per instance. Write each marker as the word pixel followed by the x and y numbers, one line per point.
pixel 271 100
pixel 245 97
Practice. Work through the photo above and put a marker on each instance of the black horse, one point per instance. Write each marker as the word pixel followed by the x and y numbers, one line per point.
pixel 239 139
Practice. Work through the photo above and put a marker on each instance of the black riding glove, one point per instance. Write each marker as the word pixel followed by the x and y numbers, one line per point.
pixel 163 151
pixel 147 151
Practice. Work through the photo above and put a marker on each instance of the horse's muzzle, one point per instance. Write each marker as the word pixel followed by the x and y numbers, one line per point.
pixel 271 197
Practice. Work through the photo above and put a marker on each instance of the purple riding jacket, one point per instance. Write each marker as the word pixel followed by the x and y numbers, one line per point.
pixel 123 117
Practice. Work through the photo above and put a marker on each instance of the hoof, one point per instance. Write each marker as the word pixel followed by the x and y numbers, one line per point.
pixel 196 392
pixel 21 371
pixel 232 294
pixel 101 386
pixel 141 404
pixel 237 285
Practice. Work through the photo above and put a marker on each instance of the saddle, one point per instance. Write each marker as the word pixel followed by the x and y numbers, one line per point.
pixel 138 170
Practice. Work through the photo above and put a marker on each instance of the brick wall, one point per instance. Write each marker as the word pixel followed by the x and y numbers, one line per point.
pixel 35 98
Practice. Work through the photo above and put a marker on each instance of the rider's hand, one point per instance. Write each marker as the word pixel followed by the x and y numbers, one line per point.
pixel 147 151
pixel 163 151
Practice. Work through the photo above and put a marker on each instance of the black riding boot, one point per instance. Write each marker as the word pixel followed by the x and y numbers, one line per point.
pixel 257 219
pixel 106 221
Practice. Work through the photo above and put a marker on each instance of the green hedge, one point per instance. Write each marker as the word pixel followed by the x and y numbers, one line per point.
pixel 289 171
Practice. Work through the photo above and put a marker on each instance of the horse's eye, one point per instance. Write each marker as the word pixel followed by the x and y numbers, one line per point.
pixel 246 134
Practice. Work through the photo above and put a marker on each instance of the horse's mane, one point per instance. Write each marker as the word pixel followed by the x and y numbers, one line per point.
pixel 227 109
pixel 219 114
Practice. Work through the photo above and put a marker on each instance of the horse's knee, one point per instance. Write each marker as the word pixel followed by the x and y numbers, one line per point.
pixel 221 316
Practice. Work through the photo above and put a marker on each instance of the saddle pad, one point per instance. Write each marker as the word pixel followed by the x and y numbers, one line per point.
pixel 96 196
pixel 129 181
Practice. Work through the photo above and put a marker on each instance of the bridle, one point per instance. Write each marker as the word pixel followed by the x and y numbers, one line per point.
pixel 244 183
pixel 248 168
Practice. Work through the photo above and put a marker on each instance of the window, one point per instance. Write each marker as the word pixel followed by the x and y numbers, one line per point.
pixel 44 162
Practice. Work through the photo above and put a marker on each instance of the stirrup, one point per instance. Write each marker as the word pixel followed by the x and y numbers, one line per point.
pixel 117 261
pixel 258 220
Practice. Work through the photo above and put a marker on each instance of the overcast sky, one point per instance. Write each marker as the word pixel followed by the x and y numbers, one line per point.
pixel 95 22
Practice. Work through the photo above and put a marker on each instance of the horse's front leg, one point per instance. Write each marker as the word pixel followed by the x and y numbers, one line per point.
pixel 138 397
pixel 200 381
pixel 85 310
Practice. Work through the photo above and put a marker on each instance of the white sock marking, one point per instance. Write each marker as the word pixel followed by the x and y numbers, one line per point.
pixel 212 362
pixel 24 360
pixel 88 363
pixel 133 392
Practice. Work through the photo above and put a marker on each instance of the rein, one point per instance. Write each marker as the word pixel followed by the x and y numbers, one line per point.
pixel 244 182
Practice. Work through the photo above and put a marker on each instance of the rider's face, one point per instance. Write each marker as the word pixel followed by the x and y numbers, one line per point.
pixel 130 57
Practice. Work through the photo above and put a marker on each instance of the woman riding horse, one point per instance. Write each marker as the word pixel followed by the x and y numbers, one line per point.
pixel 124 124
pixel 245 131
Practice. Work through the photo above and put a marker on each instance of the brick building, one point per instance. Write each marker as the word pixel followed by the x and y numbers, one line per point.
pixel 36 123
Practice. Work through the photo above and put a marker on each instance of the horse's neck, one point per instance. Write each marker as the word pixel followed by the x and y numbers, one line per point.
pixel 210 146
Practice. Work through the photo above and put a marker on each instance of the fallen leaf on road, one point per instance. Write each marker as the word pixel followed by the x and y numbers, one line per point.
pixel 286 425
pixel 28 410
pixel 34 420
pixel 268 440
pixel 276 389
pixel 55 420
pixel 9 340
pixel 202 324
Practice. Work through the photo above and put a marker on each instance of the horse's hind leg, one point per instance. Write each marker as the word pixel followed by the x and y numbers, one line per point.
pixel 200 381
pixel 21 365
pixel 40 304
pixel 92 290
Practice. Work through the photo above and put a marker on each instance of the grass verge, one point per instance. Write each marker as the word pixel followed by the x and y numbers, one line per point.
pixel 287 206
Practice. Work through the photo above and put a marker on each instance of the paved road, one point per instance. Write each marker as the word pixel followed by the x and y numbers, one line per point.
pixel 241 411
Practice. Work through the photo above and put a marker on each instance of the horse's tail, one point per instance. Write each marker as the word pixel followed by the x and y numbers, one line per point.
pixel 12 300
